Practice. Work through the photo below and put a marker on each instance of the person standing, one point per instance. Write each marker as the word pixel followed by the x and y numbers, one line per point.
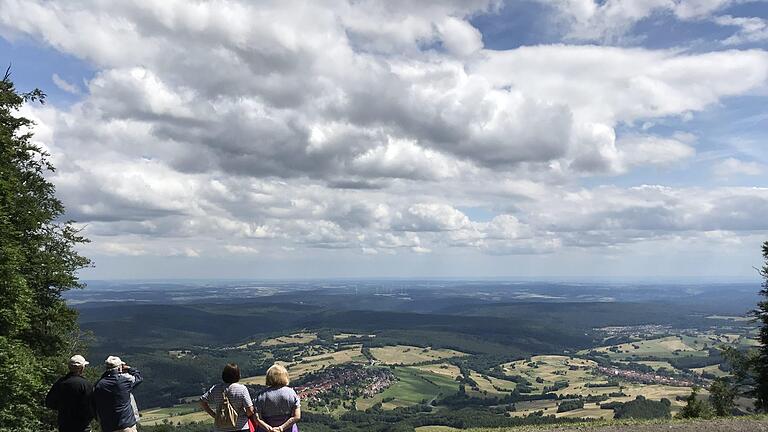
pixel 112 396
pixel 70 395
pixel 278 408
pixel 229 403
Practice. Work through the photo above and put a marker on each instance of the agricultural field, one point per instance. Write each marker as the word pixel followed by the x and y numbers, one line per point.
pixel 490 386
pixel 408 355
pixel 412 387
pixel 426 374
pixel 436 429
pixel 345 354
pixel 579 374
pixel 296 338
pixel 346 336
pixel 444 369
pixel 655 365
pixel 178 414
pixel 550 369
pixel 592 410
pixel 666 347
pixel 714 370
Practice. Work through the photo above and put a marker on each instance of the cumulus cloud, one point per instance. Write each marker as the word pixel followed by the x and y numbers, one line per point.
pixel 611 20
pixel 650 150
pixel 732 167
pixel 239 249
pixel 236 129
pixel 751 29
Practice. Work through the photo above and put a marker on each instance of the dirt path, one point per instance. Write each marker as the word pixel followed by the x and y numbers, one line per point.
pixel 724 425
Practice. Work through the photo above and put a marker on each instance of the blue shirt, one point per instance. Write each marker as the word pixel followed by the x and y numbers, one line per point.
pixel 277 402
pixel 112 399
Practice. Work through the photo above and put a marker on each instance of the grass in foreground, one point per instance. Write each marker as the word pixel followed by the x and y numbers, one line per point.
pixel 589 425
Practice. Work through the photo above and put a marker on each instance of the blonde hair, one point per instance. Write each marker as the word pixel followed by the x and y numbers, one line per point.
pixel 277 376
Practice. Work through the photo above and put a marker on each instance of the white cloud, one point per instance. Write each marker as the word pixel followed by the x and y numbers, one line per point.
pixel 611 20
pixel 751 29
pixel 608 85
pixel 459 37
pixel 650 150
pixel 241 250
pixel 365 126
pixel 430 217
pixel 64 85
pixel 732 167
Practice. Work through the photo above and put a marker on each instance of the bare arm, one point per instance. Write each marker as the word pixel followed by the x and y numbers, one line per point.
pixel 207 408
pixel 262 424
pixel 291 421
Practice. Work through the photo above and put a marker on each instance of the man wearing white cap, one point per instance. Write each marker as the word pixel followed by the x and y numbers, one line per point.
pixel 112 396
pixel 71 397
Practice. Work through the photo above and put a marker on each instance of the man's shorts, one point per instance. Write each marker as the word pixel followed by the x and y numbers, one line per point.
pixel 128 429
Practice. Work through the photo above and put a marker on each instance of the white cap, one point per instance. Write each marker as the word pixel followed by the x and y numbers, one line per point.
pixel 77 360
pixel 113 361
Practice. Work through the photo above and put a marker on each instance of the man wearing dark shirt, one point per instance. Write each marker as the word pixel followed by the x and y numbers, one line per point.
pixel 112 396
pixel 71 397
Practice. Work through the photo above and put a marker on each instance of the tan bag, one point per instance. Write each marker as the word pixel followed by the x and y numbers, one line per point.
pixel 226 414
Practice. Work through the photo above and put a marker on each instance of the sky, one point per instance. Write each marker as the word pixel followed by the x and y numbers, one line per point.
pixel 448 138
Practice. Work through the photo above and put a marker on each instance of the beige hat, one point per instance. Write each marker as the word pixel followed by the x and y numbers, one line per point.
pixel 113 361
pixel 77 360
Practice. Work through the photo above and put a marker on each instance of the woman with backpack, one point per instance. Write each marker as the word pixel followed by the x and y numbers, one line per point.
pixel 278 408
pixel 229 403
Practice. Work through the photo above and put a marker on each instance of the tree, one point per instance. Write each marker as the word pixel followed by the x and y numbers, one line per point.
pixel 38 262
pixel 695 408
pixel 721 396
pixel 761 392
pixel 642 408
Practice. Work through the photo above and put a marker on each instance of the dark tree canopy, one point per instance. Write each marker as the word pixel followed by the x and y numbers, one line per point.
pixel 762 361
pixel 38 262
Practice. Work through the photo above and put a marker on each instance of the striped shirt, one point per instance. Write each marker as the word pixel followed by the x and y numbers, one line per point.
pixel 238 397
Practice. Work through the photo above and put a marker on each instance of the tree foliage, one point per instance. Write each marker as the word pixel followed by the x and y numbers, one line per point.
pixel 695 407
pixel 642 408
pixel 761 391
pixel 721 396
pixel 38 262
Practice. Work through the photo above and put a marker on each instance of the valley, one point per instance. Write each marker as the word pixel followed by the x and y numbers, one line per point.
pixel 424 361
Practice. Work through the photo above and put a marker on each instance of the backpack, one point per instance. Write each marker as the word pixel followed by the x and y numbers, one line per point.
pixel 226 414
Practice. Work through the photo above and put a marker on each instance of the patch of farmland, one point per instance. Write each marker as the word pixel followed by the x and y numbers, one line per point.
pixel 412 387
pixel 590 410
pixel 529 407
pixel 177 414
pixel 444 369
pixel 666 347
pixel 296 338
pixel 544 371
pixel 492 385
pixel 345 336
pixel 656 365
pixel 408 355
pixel 547 370
pixel 714 370
pixel 348 354
pixel 436 428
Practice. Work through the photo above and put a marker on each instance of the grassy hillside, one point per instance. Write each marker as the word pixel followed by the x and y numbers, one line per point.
pixel 731 424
